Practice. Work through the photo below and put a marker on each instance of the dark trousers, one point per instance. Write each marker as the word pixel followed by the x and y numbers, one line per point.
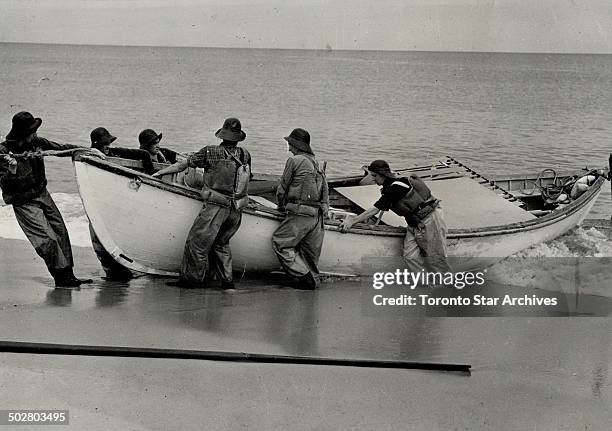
pixel 43 225
pixel 297 243
pixel 112 269
pixel 207 247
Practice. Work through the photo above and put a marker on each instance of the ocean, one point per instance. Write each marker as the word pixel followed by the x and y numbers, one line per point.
pixel 498 113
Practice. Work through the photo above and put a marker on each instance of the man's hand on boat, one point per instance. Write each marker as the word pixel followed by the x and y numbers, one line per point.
pixel 179 166
pixel 94 152
pixel 346 224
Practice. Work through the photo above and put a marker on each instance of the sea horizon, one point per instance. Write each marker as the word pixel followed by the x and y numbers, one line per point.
pixel 324 49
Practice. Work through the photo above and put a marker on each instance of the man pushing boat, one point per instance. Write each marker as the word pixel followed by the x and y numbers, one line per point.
pixel 409 197
pixel 102 140
pixel 304 196
pixel 24 186
pixel 227 172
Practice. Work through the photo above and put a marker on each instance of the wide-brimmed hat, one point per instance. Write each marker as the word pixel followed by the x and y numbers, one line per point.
pixel 24 124
pixel 148 137
pixel 101 137
pixel 231 130
pixel 300 139
pixel 381 167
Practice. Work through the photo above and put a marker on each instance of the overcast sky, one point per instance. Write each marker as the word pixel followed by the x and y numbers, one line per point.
pixel 581 26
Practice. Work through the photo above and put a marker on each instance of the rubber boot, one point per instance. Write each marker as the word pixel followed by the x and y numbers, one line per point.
pixel 306 282
pixel 228 286
pixel 79 280
pixel 63 278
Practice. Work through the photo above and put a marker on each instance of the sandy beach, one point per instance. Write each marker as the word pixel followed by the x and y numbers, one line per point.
pixel 528 373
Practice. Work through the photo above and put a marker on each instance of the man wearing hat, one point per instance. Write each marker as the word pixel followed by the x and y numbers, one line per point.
pixel 102 140
pixel 149 141
pixel 425 241
pixel 304 196
pixel 24 186
pixel 227 172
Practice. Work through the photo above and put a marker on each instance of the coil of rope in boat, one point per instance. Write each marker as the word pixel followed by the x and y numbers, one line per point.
pixel 552 192
pixel 549 192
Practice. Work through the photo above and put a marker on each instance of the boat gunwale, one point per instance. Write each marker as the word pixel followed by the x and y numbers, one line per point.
pixel 262 211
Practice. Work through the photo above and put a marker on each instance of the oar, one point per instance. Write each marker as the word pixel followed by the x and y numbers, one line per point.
pixel 142 352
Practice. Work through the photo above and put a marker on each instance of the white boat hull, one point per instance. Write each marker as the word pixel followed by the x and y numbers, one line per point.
pixel 144 227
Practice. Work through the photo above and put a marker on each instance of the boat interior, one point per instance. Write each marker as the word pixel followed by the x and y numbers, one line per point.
pixel 469 199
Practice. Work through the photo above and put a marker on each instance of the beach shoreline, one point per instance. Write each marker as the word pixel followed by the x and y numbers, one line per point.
pixel 518 364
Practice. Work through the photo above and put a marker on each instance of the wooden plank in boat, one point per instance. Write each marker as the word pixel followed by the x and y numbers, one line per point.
pixel 466 204
pixel 263 201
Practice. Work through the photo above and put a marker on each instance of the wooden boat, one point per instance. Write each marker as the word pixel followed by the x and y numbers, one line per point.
pixel 143 221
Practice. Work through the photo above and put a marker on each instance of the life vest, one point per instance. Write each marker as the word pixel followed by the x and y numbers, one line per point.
pixel 27 183
pixel 304 197
pixel 226 181
pixel 417 202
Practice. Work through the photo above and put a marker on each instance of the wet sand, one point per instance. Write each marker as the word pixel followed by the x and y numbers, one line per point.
pixel 528 373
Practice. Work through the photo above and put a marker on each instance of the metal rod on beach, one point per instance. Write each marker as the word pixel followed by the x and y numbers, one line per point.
pixel 142 352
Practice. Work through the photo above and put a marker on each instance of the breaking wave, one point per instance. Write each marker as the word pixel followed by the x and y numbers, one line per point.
pixel 72 211
pixel 579 261
pixel 578 243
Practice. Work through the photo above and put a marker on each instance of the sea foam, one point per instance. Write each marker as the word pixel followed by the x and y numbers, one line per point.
pixel 72 211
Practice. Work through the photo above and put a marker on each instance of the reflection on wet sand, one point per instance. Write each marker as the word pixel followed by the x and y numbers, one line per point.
pixel 59 297
pixel 542 366
pixel 287 319
pixel 268 319
pixel 112 293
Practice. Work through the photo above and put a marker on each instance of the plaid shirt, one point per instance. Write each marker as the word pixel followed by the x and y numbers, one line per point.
pixel 212 154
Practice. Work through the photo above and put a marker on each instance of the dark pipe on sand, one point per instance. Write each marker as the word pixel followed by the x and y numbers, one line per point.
pixel 141 352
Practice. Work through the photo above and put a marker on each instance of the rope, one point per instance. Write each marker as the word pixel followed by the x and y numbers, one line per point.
pixel 559 186
pixel 551 192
